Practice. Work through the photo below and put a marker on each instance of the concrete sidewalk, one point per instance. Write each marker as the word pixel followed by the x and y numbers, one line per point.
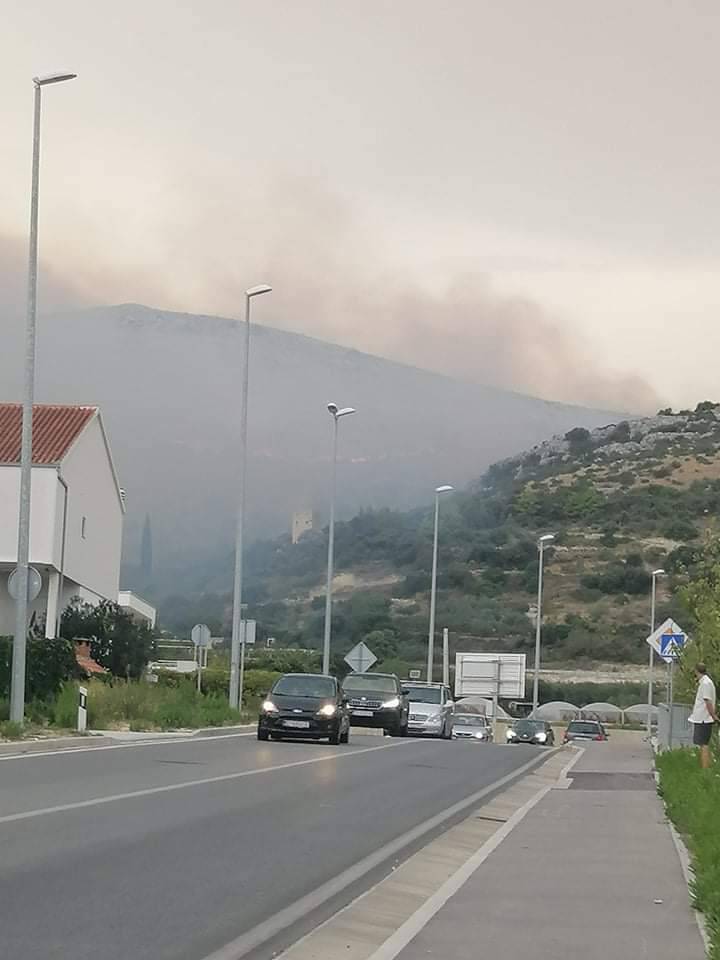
pixel 591 872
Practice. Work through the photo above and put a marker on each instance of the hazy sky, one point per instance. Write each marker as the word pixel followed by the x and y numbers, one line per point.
pixel 523 193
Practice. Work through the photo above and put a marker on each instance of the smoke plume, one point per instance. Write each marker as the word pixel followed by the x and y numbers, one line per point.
pixel 335 277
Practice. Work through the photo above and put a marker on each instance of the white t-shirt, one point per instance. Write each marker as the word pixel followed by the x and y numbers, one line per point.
pixel 705 691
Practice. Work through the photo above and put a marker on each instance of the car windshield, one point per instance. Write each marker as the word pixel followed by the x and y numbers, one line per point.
pixel 299 686
pixel 424 694
pixel 467 720
pixel 580 726
pixel 529 726
pixel 369 683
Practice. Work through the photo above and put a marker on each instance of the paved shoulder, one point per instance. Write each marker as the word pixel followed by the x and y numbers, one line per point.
pixel 592 871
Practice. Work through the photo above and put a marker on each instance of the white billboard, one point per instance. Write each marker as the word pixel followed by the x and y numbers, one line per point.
pixel 499 675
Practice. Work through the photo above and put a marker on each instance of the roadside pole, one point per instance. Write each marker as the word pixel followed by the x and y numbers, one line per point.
pixel 496 696
pixel 82 709
pixel 670 704
pixel 446 657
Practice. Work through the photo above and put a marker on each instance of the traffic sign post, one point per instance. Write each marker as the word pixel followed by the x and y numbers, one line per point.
pixel 668 640
pixel 34 584
pixel 200 636
pixel 360 658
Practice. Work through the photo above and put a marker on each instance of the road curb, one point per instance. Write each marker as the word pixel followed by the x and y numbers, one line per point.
pixel 22 747
pixel 105 738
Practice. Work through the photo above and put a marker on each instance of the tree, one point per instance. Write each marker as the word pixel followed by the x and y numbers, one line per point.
pixel 700 597
pixel 117 642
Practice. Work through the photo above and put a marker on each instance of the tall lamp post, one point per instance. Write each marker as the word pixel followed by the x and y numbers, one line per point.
pixel 337 414
pixel 543 542
pixel 237 649
pixel 17 689
pixel 433 582
pixel 651 663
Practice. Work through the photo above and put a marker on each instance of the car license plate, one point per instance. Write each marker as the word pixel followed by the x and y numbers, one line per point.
pixel 297 724
pixel 362 713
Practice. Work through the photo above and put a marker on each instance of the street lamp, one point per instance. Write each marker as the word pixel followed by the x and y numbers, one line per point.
pixel 336 414
pixel 655 574
pixel 237 649
pixel 543 542
pixel 433 583
pixel 17 690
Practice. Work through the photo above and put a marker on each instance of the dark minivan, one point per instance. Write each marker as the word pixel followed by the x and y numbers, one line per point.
pixel 377 700
pixel 305 706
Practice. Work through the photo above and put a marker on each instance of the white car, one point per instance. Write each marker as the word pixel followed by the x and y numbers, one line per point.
pixel 472 726
pixel 431 709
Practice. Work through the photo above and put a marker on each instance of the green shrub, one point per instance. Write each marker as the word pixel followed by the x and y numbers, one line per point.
pixel 64 713
pixel 692 800
pixel 10 730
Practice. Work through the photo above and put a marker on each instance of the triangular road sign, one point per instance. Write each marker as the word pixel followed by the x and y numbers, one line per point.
pixel 667 640
pixel 360 658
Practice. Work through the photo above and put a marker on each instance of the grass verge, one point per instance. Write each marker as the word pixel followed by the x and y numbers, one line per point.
pixel 692 800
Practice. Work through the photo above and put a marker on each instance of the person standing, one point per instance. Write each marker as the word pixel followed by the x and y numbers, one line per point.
pixel 703 714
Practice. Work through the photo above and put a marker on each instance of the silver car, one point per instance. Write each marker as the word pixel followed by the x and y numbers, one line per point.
pixel 431 709
pixel 472 726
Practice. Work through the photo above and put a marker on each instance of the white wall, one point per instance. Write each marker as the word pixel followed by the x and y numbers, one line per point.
pixel 45 515
pixel 92 560
pixel 38 606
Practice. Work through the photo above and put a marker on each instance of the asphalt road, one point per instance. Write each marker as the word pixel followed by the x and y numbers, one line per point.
pixel 172 850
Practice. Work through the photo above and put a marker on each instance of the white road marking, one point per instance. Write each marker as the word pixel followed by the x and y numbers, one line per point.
pixel 414 924
pixel 150 791
pixel 422 916
pixel 122 746
pixel 284 918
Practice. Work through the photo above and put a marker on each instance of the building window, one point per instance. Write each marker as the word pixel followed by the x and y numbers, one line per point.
pixel 83 528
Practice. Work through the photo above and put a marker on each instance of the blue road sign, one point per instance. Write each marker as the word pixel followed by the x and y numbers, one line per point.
pixel 671 644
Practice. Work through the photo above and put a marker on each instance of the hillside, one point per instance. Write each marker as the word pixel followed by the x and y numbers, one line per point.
pixel 168 385
pixel 622 499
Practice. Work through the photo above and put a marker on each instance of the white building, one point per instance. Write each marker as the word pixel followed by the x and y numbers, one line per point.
pixel 302 521
pixel 76 510
pixel 139 609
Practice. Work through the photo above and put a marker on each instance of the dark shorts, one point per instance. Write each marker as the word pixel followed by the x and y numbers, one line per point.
pixel 701 734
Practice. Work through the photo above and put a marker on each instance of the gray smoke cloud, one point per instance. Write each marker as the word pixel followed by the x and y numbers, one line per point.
pixel 333 279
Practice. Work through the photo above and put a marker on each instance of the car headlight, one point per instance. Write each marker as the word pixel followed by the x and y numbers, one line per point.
pixel 269 707
pixel 434 718
pixel 329 710
pixel 391 703
pixel 481 734
pixel 541 737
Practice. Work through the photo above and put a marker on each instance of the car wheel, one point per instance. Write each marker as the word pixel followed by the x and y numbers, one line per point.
pixel 345 737
pixel 447 732
pixel 262 734
pixel 334 737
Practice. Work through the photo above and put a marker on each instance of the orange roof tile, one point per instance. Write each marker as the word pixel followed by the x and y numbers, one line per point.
pixel 55 429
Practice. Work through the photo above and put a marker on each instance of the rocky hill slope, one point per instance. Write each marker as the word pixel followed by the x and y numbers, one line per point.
pixel 622 500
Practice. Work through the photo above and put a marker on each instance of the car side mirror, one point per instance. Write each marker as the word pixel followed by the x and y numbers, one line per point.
pixel 404 693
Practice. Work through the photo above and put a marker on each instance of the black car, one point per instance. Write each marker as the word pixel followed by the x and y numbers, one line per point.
pixel 377 700
pixel 531 731
pixel 306 706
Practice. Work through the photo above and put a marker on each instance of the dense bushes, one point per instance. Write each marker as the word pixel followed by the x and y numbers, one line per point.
pixel 48 663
